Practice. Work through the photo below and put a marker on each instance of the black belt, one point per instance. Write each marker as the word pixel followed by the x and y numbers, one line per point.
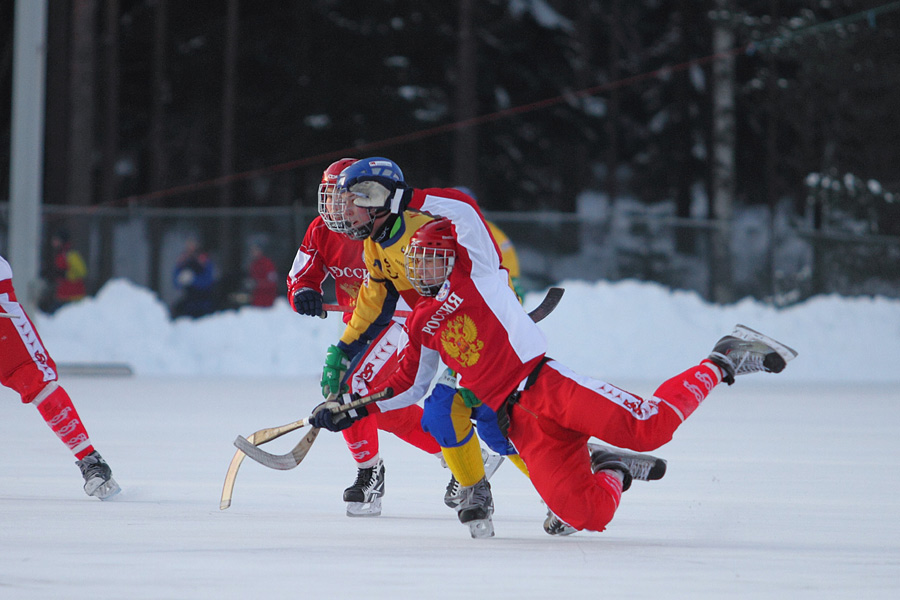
pixel 506 407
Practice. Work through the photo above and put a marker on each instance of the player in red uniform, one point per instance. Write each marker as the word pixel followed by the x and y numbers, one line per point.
pixel 27 368
pixel 475 324
pixel 326 251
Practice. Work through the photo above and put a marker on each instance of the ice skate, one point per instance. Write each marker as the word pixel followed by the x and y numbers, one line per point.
pixel 363 498
pixel 643 467
pixel 492 462
pixel 746 351
pixel 98 479
pixel 553 525
pixel 605 459
pixel 475 508
pixel 451 496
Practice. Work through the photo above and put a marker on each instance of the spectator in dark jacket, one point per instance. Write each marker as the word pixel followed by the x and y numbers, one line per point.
pixel 195 276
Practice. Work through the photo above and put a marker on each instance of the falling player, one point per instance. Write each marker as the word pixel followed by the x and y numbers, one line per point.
pixel 473 322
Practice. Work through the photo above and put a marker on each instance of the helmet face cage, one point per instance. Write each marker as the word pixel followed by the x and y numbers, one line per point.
pixel 331 209
pixel 427 268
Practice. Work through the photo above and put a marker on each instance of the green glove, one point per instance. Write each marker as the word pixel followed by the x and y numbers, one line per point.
pixel 336 364
pixel 468 397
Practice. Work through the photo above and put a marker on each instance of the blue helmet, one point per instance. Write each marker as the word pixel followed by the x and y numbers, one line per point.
pixel 380 170
pixel 370 184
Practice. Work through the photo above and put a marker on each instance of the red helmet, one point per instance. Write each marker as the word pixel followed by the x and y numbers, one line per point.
pixel 429 256
pixel 330 207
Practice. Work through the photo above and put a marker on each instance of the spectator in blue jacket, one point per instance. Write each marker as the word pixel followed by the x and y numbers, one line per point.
pixel 195 276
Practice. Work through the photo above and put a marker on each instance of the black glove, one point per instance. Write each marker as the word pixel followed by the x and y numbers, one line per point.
pixel 323 418
pixel 307 301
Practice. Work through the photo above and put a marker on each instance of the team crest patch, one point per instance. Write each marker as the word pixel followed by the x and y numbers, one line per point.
pixel 443 292
pixel 460 340
pixel 352 291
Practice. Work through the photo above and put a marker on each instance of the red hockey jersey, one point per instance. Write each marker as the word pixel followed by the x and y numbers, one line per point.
pixel 478 328
pixel 323 253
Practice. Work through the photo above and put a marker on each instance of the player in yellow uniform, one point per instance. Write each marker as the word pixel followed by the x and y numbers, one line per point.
pixel 385 219
pixel 509 259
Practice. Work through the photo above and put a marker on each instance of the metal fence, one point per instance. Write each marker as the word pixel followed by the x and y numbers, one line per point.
pixel 775 260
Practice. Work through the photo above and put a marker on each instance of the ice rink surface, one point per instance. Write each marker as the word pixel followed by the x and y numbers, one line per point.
pixel 775 489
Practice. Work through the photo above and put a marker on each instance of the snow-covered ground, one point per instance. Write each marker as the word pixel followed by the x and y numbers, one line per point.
pixel 780 486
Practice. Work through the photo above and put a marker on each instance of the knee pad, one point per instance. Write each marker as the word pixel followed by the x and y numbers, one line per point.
pixel 489 431
pixel 437 419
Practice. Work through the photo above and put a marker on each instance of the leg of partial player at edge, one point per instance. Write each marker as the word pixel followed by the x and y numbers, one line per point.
pixel 27 368
pixel 58 411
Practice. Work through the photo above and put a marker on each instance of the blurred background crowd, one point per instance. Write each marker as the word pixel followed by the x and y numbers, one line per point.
pixel 735 148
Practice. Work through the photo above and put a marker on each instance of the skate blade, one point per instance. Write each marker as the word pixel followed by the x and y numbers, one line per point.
pixel 481 528
pixel 491 464
pixel 750 335
pixel 364 509
pixel 103 490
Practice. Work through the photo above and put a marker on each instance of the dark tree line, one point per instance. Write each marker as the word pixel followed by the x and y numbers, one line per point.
pixel 149 95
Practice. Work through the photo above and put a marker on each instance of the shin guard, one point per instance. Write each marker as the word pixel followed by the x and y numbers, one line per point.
pixel 60 415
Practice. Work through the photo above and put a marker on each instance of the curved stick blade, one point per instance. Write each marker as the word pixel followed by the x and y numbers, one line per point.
pixel 281 462
pixel 551 299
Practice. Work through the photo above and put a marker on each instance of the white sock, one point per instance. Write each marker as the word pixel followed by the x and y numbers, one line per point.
pixel 369 463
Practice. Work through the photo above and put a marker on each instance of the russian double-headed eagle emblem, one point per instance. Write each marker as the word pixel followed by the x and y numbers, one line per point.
pixel 460 340
pixel 352 291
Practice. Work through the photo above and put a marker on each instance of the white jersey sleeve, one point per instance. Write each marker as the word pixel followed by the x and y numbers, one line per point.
pixel 5 269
